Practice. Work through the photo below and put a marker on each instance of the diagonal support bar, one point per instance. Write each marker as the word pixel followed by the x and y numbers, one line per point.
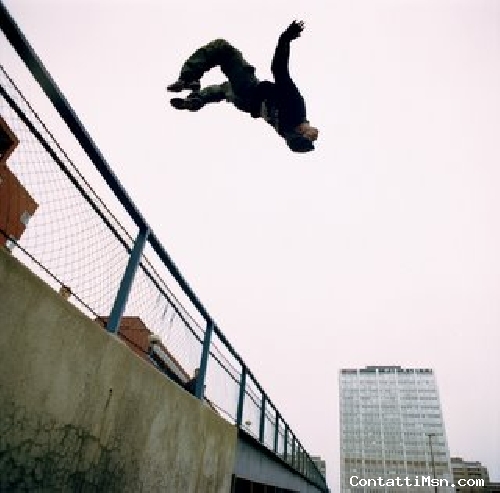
pixel 202 371
pixel 262 419
pixel 276 431
pixel 241 400
pixel 127 281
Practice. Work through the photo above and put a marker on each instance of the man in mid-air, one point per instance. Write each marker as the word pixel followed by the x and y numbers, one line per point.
pixel 279 103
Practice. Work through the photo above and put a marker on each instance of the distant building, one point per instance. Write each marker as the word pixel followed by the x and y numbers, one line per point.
pixel 493 488
pixel 320 464
pixel 391 426
pixel 468 471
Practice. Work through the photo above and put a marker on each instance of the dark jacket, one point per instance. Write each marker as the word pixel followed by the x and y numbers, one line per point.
pixel 290 105
pixel 284 106
pixel 280 103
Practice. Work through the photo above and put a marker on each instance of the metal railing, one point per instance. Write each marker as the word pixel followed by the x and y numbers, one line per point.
pixel 75 240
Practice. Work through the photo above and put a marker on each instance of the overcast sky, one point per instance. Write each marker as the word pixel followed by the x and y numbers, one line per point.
pixel 380 247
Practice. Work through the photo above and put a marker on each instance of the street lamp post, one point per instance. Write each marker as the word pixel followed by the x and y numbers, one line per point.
pixel 430 435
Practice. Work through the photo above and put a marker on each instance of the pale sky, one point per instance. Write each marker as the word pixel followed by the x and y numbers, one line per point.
pixel 380 247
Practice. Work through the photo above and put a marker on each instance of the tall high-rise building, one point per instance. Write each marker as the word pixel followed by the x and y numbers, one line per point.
pixel 392 434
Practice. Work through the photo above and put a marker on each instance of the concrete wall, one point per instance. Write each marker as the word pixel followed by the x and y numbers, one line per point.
pixel 80 412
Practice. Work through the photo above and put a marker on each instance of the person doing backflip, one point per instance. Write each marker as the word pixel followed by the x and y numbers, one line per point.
pixel 279 103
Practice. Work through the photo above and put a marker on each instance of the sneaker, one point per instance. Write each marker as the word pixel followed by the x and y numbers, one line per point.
pixel 191 103
pixel 181 85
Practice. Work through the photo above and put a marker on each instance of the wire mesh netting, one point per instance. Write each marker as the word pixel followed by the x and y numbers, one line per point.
pixel 252 408
pixel 269 430
pixel 65 235
pixel 290 449
pixel 281 439
pixel 223 380
pixel 155 306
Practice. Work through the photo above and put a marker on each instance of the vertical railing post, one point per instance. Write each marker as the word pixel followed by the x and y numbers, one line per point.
pixel 262 418
pixel 241 399
pixel 128 278
pixel 285 447
pixel 293 450
pixel 202 371
pixel 276 431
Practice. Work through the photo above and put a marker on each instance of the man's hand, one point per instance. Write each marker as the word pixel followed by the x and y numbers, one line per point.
pixel 294 30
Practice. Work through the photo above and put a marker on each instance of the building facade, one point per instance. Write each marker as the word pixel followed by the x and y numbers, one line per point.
pixel 466 475
pixel 392 434
pixel 320 464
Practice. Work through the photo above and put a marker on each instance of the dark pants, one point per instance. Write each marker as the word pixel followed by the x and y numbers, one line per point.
pixel 241 81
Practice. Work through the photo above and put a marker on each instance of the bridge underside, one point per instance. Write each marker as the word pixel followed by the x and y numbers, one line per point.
pixel 258 470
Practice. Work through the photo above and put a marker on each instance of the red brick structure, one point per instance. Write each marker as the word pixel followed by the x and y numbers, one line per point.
pixel 16 204
pixel 147 345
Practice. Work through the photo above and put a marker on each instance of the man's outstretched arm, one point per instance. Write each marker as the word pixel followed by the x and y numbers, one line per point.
pixel 279 65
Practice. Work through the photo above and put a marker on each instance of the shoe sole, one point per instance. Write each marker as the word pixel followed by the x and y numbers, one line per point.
pixel 182 104
pixel 190 86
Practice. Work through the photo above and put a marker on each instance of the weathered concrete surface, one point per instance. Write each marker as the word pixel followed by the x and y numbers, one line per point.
pixel 80 412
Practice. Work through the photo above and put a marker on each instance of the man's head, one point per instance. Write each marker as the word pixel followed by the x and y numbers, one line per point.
pixel 302 138
pixel 307 131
